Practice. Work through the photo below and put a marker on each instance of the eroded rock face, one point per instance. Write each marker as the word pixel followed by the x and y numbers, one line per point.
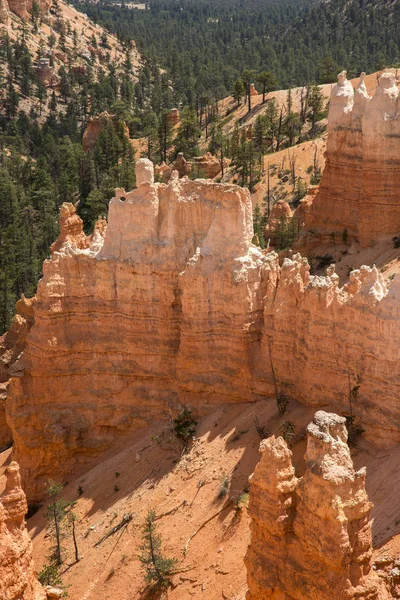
pixel 209 166
pixel 71 229
pixel 22 8
pixel 12 344
pixel 359 189
pixel 176 306
pixel 311 537
pixel 17 575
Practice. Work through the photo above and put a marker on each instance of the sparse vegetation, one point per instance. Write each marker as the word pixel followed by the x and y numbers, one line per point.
pixel 242 501
pixel 262 431
pixel 224 486
pixel 72 523
pixel 185 425
pixel 287 429
pixel 285 233
pixel 282 401
pixel 49 574
pixel 354 429
pixel 55 515
pixel 158 568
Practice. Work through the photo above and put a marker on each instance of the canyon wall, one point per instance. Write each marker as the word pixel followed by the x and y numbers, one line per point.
pixel 359 190
pixel 17 575
pixel 171 305
pixel 311 537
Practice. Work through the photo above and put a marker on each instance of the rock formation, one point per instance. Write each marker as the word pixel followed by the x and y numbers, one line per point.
pixel 176 306
pixel 358 191
pixel 11 345
pixel 96 126
pixel 46 73
pixel 17 575
pixel 71 229
pixel 206 166
pixel 4 13
pixel 311 537
pixel 181 165
pixel 22 8
pixel 253 91
pixel 173 116
pixel 209 166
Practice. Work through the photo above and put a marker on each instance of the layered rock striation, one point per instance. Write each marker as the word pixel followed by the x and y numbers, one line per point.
pixel 311 537
pixel 17 575
pixel 358 197
pixel 171 305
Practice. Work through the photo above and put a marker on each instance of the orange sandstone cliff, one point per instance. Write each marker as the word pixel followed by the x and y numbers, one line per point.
pixel 17 576
pixel 176 306
pixel 358 196
pixel 311 537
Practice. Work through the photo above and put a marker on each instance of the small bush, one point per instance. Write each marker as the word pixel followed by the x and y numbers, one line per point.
pixel 315 178
pixel 224 486
pixel 185 425
pixel 116 488
pixel 287 429
pixel 80 491
pixel 354 430
pixel 49 575
pixel 242 501
pixel 282 402
pixel 262 431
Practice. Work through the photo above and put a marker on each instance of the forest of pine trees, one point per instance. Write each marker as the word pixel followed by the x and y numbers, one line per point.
pixel 207 50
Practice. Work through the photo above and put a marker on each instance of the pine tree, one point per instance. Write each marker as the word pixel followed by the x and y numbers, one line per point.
pixel 158 569
pixel 239 91
pixel 268 82
pixel 187 138
pixel 315 106
pixel 247 77
pixel 55 514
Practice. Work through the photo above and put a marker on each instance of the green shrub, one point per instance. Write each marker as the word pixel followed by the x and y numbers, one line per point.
pixel 185 425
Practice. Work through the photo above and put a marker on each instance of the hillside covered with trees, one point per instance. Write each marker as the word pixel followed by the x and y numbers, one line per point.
pixel 193 54
pixel 205 45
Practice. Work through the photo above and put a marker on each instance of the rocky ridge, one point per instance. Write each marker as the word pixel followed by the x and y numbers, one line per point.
pixel 311 536
pixel 176 306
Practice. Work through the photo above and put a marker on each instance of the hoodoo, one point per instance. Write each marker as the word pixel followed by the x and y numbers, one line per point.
pixel 359 190
pixel 311 537
pixel 17 574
